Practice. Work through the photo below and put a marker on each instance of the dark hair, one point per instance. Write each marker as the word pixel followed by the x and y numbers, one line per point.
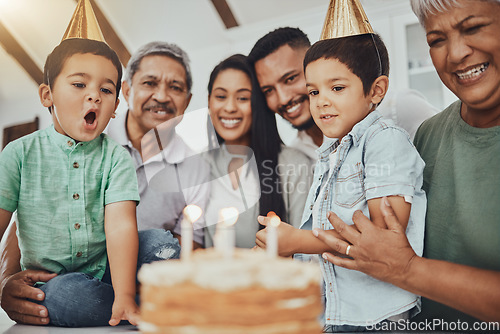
pixel 272 41
pixel 365 56
pixel 69 47
pixel 265 140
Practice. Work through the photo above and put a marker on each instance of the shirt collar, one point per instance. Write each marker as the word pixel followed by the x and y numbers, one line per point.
pixel 360 128
pixel 68 144
pixel 330 144
pixel 305 138
pixel 175 151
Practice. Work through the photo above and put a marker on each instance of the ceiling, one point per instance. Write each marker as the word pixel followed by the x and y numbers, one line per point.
pixel 37 27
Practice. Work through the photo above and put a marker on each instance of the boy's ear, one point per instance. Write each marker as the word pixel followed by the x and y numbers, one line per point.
pixel 125 90
pixel 116 106
pixel 45 95
pixel 379 89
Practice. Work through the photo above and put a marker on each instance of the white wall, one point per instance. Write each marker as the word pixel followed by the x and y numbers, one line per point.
pixel 21 104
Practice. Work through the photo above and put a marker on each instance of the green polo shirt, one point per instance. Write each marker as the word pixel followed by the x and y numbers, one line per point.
pixel 59 189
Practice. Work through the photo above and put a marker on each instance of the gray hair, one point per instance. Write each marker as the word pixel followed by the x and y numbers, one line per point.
pixel 424 8
pixel 163 49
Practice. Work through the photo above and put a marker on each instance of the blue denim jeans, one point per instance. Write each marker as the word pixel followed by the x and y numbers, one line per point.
pixel 80 300
pixel 343 329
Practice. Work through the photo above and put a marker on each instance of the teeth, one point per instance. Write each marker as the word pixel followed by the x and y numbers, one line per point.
pixel 327 117
pixel 473 72
pixel 160 112
pixel 233 121
pixel 293 109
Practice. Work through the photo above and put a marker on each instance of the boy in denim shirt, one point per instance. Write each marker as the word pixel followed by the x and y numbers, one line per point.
pixel 362 159
pixel 75 192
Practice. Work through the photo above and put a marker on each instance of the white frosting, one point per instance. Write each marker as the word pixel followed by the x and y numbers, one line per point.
pixel 296 302
pixel 210 270
pixel 147 327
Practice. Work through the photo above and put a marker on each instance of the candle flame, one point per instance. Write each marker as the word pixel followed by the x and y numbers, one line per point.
pixel 271 214
pixel 192 212
pixel 229 215
pixel 275 221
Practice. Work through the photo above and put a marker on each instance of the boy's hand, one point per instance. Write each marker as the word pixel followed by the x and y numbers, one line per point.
pixel 124 308
pixel 286 232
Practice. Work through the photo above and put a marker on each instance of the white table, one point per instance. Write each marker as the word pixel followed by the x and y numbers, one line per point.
pixel 8 326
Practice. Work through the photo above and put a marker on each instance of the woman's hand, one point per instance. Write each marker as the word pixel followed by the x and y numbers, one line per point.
pixel 383 253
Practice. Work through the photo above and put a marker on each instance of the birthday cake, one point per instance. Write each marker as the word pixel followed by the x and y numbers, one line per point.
pixel 248 293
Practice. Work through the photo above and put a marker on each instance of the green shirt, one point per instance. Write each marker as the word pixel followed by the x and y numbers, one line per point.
pixel 462 182
pixel 60 189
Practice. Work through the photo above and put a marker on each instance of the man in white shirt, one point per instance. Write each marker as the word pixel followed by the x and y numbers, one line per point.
pixel 277 58
pixel 157 88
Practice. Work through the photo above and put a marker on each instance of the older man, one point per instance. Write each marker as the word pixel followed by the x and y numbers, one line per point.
pixel 278 58
pixel 157 88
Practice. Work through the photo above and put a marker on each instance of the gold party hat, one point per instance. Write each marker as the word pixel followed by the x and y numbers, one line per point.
pixel 345 18
pixel 84 24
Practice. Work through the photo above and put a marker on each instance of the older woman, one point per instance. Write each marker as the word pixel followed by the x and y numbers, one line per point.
pixel 459 275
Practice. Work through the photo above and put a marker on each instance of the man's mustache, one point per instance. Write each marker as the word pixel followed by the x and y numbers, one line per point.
pixel 160 107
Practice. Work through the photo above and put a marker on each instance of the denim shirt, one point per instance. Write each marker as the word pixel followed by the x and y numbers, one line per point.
pixel 375 159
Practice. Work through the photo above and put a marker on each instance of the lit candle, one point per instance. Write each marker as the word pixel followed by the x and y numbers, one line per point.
pixel 191 214
pixel 272 236
pixel 225 234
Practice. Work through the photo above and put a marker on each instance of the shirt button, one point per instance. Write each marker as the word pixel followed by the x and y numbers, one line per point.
pixel 70 143
pixel 77 226
pixel 75 165
pixel 78 254
pixel 311 207
pixel 76 196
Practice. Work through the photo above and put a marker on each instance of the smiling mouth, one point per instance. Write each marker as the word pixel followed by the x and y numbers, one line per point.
pixel 473 72
pixel 90 118
pixel 160 109
pixel 327 117
pixel 161 112
pixel 293 109
pixel 292 106
pixel 230 122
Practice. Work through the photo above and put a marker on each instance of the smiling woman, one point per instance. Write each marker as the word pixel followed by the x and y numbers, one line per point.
pixel 250 169
pixel 230 108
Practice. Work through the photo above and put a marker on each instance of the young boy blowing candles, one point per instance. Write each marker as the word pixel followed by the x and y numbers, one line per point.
pixel 75 191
